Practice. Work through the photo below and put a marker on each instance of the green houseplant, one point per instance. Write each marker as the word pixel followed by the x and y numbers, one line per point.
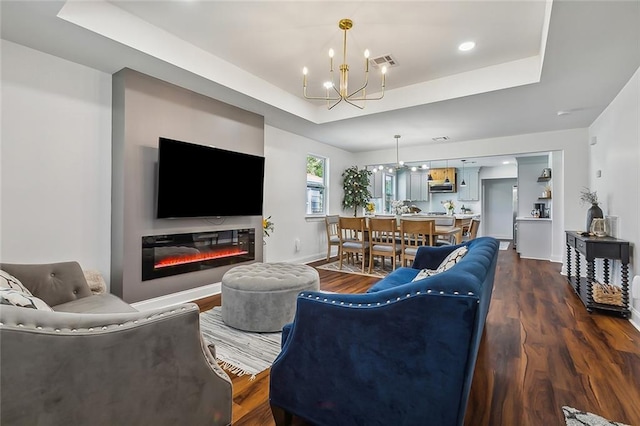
pixel 355 183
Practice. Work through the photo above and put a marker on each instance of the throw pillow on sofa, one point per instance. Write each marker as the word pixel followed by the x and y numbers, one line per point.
pixel 10 296
pixel 453 258
pixel 9 281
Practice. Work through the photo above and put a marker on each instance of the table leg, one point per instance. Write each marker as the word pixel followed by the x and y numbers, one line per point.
pixel 568 263
pixel 591 277
pixel 625 285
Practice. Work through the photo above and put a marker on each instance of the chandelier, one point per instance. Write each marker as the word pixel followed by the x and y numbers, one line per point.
pixel 337 94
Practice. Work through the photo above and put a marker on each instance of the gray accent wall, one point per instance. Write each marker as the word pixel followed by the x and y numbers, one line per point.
pixel 144 109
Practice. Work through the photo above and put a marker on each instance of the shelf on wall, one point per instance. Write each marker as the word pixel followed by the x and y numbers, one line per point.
pixel 544 198
pixel 544 179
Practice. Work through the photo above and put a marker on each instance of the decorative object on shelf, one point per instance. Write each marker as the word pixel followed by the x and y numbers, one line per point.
pixel 547 192
pixel 355 183
pixel 587 196
pixel 599 227
pixel 607 294
pixel 449 206
pixel 546 173
pixel 341 93
pixel 267 226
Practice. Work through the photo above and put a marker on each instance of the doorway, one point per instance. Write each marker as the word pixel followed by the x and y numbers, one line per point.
pixel 497 208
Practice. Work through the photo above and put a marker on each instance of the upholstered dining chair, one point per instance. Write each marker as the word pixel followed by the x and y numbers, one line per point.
pixel 382 241
pixel 353 241
pixel 333 234
pixel 445 221
pixel 473 230
pixel 415 233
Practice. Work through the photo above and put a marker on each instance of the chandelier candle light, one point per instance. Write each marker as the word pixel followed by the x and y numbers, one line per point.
pixel 342 92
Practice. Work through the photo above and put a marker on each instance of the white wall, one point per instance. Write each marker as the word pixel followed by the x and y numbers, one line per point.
pixel 285 195
pixel 617 155
pixel 55 160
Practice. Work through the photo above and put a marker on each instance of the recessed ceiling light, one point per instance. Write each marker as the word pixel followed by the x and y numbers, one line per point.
pixel 440 138
pixel 563 113
pixel 505 162
pixel 466 46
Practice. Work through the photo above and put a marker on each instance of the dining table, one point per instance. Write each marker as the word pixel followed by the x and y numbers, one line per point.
pixel 442 230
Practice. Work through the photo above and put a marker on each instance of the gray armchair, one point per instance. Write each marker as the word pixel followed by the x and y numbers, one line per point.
pixel 95 360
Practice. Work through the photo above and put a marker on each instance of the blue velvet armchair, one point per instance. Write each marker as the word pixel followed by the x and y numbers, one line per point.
pixel 403 353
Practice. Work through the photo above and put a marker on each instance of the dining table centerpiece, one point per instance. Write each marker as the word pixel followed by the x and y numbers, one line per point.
pixel 449 206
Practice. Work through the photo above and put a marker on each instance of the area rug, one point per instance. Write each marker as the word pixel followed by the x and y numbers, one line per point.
pixel 239 352
pixel 504 245
pixel 575 417
pixel 350 268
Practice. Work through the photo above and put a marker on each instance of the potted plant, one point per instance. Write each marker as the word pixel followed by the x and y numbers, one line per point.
pixel 355 183
pixel 591 197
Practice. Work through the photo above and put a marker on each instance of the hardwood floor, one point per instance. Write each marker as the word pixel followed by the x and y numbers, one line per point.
pixel 540 350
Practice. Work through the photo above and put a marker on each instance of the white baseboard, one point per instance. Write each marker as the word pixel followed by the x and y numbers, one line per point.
pixel 635 318
pixel 178 298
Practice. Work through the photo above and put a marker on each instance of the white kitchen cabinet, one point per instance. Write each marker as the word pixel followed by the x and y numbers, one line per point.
pixel 534 238
pixel 471 177
pixel 418 189
pixel 376 184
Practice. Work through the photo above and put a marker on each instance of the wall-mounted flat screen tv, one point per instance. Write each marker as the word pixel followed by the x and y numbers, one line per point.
pixel 203 181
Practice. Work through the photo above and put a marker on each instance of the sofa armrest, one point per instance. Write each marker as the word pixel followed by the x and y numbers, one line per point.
pixel 148 367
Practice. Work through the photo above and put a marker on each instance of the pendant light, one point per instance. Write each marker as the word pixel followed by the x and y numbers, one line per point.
pixel 463 183
pixel 446 171
pixel 429 177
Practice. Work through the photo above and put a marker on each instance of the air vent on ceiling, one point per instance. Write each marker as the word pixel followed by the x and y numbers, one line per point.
pixel 440 138
pixel 384 60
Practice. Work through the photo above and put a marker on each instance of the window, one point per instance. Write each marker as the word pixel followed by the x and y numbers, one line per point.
pixel 316 184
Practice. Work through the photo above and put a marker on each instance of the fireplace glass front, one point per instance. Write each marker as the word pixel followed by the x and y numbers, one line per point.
pixel 172 254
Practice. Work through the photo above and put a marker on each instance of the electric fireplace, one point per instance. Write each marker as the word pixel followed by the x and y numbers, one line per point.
pixel 173 254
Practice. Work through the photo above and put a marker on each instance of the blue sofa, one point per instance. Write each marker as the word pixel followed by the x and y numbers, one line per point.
pixel 403 353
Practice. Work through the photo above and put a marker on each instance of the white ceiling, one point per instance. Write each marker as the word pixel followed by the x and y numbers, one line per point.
pixel 533 58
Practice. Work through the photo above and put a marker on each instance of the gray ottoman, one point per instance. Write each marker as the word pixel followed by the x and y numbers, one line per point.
pixel 262 296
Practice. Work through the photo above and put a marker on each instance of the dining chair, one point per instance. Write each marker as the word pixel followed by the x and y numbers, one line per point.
pixel 382 241
pixel 473 230
pixel 415 233
pixel 333 234
pixel 353 241
pixel 445 221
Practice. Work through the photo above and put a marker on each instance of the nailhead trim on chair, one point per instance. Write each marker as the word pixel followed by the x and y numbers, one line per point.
pixel 427 291
pixel 100 328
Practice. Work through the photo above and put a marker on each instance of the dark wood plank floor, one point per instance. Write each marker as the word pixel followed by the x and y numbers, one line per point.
pixel 541 350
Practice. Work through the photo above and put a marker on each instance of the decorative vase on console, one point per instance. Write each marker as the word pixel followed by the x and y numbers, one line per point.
pixel 594 212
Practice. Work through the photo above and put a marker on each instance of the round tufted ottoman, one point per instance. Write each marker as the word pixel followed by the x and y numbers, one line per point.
pixel 262 296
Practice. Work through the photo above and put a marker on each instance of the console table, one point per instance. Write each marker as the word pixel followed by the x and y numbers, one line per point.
pixel 591 248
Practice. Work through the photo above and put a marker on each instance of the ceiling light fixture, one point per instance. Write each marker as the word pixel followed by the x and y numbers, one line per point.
pixel 463 183
pixel 466 46
pixel 399 163
pixel 446 173
pixel 342 92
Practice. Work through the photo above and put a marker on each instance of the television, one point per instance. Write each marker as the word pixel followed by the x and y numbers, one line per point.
pixel 202 181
